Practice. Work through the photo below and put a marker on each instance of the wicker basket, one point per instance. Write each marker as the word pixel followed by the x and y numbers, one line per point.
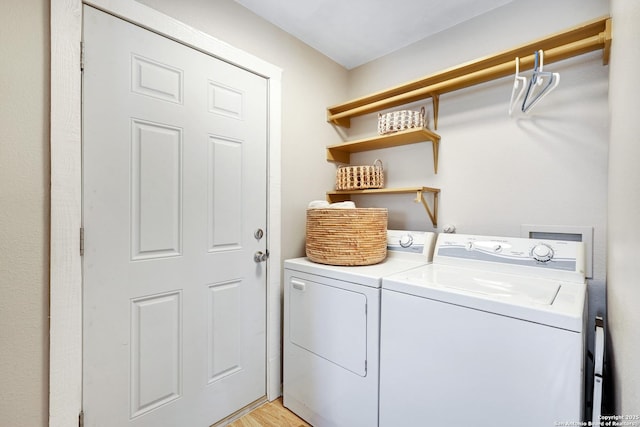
pixel 360 177
pixel 347 236
pixel 401 120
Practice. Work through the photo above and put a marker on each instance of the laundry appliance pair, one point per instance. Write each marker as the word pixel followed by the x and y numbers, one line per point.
pixel 491 333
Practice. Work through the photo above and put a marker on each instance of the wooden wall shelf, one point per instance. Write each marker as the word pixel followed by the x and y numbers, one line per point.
pixel 343 195
pixel 342 152
pixel 584 38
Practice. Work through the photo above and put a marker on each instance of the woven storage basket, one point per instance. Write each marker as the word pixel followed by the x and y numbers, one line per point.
pixel 347 236
pixel 360 177
pixel 401 120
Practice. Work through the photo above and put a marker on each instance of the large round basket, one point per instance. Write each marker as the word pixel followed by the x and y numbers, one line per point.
pixel 347 236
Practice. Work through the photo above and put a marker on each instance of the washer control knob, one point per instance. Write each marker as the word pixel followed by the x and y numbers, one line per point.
pixel 542 252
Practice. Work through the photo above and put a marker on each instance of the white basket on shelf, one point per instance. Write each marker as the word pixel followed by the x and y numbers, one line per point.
pixel 395 121
pixel 360 177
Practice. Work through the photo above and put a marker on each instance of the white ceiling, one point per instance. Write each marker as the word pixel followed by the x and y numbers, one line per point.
pixel 353 32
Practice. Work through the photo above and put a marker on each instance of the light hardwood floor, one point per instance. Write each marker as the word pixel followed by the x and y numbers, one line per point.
pixel 271 414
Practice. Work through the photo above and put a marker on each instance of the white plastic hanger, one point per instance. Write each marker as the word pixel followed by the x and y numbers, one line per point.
pixel 516 83
pixel 538 77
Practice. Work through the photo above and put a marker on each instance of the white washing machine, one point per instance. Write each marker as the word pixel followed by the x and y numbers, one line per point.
pixel 331 333
pixel 491 334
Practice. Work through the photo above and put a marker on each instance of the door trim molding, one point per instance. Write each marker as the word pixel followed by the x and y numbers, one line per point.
pixel 65 339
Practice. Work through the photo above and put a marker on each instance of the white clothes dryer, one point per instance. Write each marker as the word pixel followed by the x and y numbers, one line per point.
pixel 331 333
pixel 491 334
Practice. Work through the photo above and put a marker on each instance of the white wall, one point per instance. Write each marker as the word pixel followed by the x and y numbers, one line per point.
pixel 24 212
pixel 623 270
pixel 310 82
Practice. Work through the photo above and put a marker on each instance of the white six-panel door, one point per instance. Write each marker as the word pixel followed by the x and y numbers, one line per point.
pixel 174 187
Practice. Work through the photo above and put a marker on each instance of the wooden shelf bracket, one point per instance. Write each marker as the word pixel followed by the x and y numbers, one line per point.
pixel 435 146
pixel 433 214
pixel 435 99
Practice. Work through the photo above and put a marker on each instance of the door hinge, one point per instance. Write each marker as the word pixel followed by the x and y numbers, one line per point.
pixel 81 241
pixel 81 419
pixel 81 56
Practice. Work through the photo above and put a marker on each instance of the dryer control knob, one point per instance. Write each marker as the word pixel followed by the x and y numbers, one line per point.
pixel 542 252
pixel 406 240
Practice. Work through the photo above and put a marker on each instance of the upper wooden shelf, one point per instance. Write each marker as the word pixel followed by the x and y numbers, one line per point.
pixel 342 152
pixel 587 37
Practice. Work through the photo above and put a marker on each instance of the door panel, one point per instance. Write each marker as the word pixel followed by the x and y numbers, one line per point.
pixel 156 352
pixel 156 190
pixel 161 81
pixel 224 330
pixel 174 183
pixel 225 168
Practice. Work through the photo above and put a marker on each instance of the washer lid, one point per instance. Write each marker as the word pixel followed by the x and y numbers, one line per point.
pixel 550 302
pixel 501 286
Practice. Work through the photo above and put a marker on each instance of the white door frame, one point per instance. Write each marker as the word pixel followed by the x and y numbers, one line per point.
pixel 65 339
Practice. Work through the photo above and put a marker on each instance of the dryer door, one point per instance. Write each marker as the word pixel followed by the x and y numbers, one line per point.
pixel 329 322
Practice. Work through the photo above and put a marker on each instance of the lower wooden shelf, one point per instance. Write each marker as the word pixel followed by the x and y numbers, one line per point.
pixel 343 195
